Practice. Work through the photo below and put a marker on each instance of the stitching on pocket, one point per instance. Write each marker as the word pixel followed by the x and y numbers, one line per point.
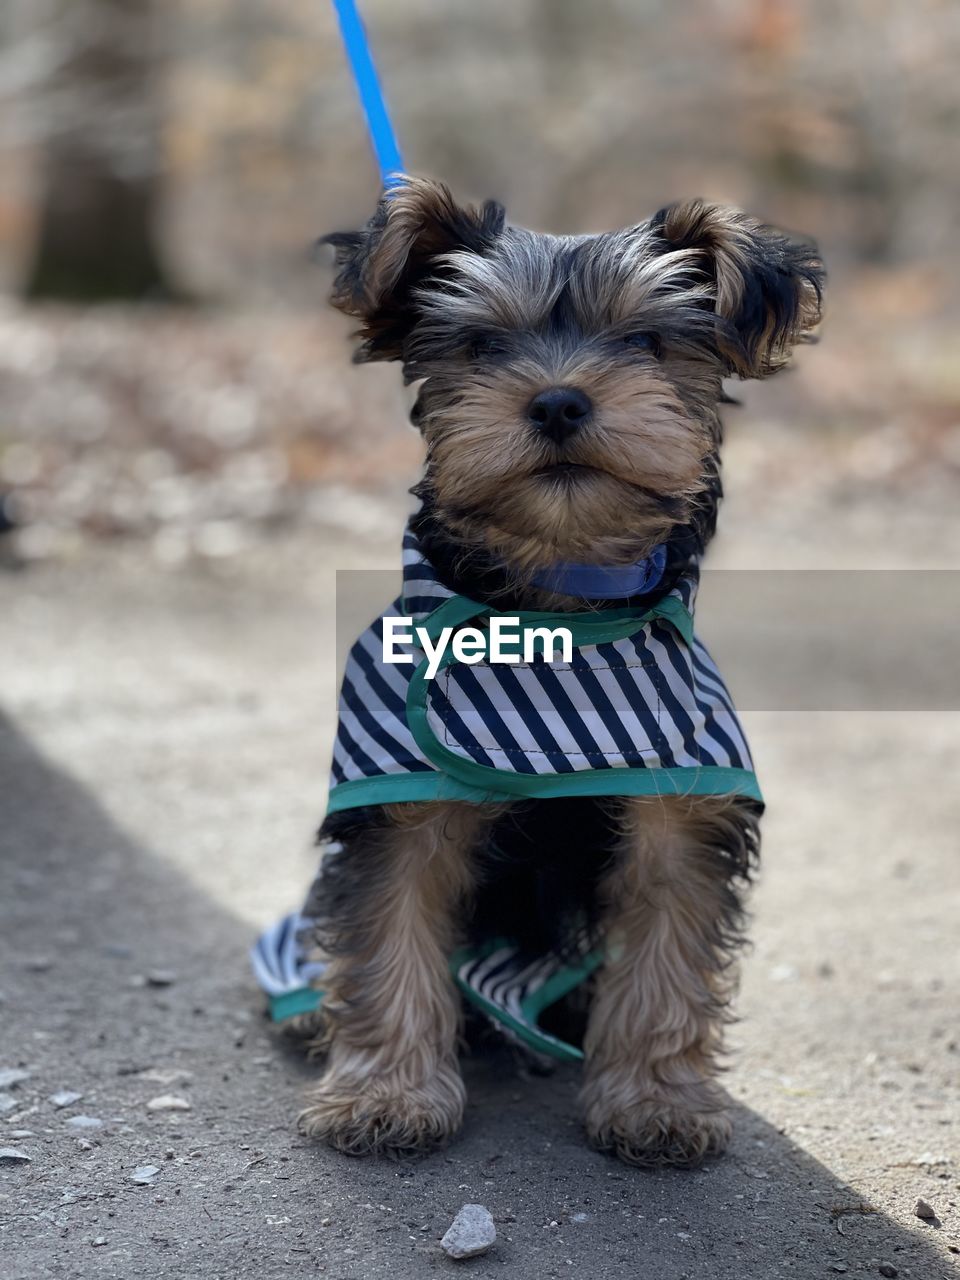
pixel 489 744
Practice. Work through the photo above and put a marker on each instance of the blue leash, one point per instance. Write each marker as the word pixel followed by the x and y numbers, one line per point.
pixel 371 96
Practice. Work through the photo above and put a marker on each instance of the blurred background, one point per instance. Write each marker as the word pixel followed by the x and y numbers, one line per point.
pixel 169 371
pixel 186 457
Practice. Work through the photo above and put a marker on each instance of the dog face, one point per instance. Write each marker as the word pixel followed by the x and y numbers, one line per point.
pixel 570 384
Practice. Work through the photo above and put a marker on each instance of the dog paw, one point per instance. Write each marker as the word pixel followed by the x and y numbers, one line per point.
pixel 659 1132
pixel 373 1117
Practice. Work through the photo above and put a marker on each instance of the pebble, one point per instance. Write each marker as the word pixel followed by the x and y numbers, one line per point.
pixel 84 1144
pixel 885 1269
pixel 925 1211
pixel 144 1174
pixel 7 1103
pixel 13 1155
pixel 97 1241
pixel 166 1075
pixel 168 1102
pixel 161 978
pixel 65 1098
pixel 11 1076
pixel 471 1233
pixel 38 964
pixel 84 1122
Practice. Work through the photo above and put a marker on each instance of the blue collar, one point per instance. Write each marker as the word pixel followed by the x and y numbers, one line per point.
pixel 604 582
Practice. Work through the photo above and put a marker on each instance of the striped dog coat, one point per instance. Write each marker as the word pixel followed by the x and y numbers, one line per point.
pixel 640 709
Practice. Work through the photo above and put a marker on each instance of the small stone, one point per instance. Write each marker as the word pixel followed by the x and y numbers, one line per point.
pixel 11 1076
pixel 10 1156
pixel 168 1102
pixel 84 1122
pixel 839 1267
pixel 97 1241
pixel 885 1269
pixel 38 964
pixel 84 1144
pixel 166 1075
pixel 7 1103
pixel 925 1211
pixel 65 1098
pixel 471 1233
pixel 580 1217
pixel 144 1174
pixel 161 978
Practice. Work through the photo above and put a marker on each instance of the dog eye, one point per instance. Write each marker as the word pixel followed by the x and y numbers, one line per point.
pixel 486 345
pixel 643 342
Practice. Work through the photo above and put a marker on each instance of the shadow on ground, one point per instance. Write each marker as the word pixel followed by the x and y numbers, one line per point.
pixel 85 914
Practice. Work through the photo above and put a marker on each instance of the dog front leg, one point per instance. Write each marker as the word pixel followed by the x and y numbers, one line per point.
pixel 388 904
pixel 673 917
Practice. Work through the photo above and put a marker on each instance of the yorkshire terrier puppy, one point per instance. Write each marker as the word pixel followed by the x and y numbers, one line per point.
pixel 569 397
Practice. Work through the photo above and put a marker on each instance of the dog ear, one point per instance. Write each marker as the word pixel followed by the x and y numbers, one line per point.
pixel 767 288
pixel 381 266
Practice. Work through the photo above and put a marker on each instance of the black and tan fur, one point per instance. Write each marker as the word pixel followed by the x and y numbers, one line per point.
pixel 646 322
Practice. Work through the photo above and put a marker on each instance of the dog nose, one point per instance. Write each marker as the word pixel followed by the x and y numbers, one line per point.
pixel 559 411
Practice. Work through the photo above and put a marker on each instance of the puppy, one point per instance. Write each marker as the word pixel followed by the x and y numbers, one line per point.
pixel 569 396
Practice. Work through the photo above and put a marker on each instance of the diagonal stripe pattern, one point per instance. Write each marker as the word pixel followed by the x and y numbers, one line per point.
pixel 648 703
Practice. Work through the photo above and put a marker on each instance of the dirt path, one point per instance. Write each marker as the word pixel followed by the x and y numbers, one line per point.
pixel 163 747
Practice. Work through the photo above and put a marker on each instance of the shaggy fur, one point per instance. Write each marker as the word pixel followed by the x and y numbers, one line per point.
pixel 646 323
pixel 674 920
pixel 392 1079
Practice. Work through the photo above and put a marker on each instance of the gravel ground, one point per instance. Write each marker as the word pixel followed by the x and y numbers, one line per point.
pixel 163 746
